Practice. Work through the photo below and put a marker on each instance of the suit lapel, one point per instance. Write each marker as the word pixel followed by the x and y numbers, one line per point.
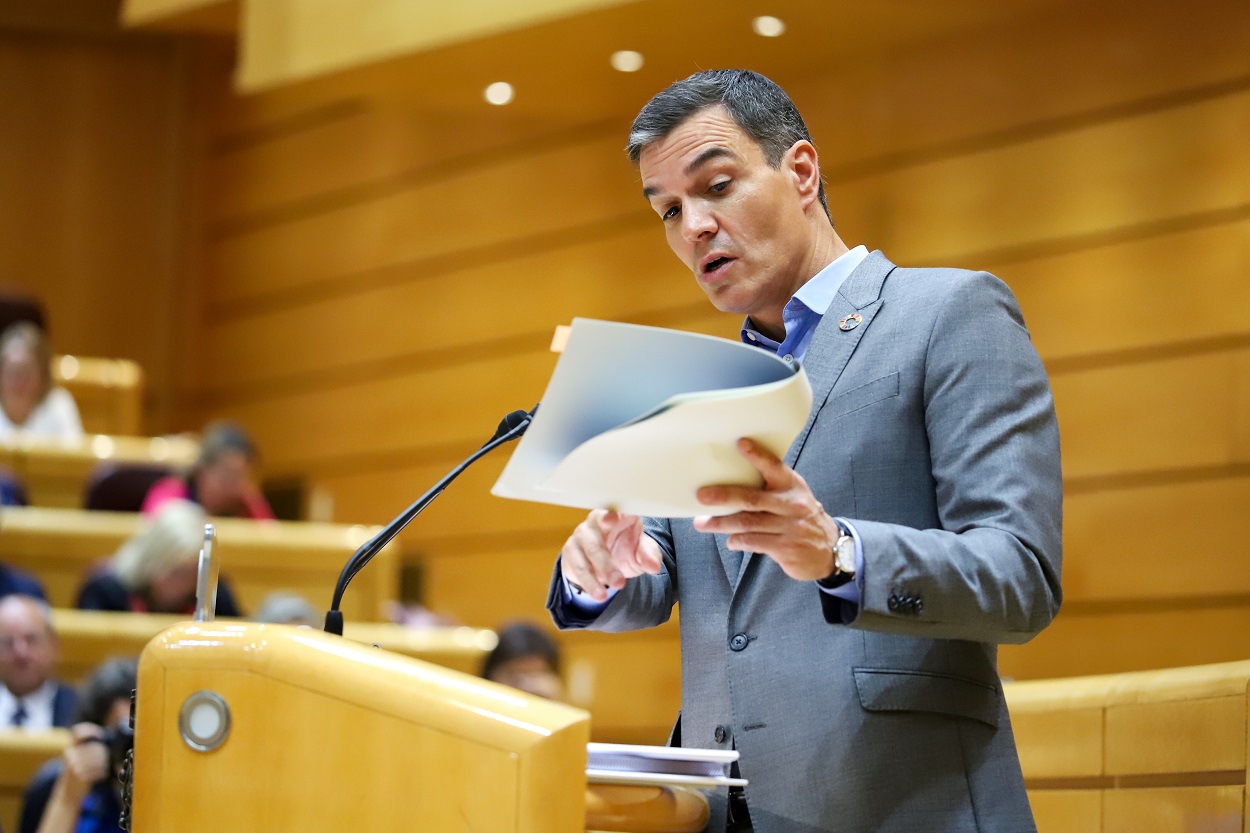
pixel 830 349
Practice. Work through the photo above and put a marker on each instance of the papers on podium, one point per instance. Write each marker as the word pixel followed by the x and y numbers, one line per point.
pixel 661 766
pixel 637 418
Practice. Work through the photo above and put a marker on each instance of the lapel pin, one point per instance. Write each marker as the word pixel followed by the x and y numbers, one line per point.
pixel 850 322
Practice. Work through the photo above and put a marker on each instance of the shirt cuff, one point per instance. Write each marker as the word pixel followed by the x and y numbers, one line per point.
pixel 851 591
pixel 584 603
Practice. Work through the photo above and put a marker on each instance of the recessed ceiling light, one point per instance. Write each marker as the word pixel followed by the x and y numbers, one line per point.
pixel 499 93
pixel 768 26
pixel 627 60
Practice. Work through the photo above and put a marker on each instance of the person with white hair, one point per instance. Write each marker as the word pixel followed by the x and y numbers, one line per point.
pixel 155 571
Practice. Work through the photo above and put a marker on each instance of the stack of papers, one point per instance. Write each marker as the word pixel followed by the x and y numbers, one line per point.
pixel 660 766
pixel 637 419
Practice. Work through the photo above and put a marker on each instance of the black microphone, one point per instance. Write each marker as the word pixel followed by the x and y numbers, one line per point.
pixel 510 428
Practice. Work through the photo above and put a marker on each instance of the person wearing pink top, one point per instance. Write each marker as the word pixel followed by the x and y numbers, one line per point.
pixel 222 480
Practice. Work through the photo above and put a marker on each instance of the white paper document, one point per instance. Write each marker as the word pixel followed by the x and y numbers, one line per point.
pixel 637 419
pixel 612 763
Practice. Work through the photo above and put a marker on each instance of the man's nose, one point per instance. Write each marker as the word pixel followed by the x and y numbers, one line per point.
pixel 697 222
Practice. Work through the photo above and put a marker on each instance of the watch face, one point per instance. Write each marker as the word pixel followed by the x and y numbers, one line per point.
pixel 844 554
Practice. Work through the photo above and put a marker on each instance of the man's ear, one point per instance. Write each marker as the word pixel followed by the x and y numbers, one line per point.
pixel 804 165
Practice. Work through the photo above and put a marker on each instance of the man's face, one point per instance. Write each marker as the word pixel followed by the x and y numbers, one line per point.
pixel 735 221
pixel 27 647
pixel 221 483
pixel 20 380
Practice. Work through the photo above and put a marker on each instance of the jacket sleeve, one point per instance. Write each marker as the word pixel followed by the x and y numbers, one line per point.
pixel 991 572
pixel 644 602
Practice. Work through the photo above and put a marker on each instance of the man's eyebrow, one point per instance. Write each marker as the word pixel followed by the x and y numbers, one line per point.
pixel 696 163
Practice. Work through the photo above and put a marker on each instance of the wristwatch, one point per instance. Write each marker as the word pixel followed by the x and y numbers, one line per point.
pixel 843 561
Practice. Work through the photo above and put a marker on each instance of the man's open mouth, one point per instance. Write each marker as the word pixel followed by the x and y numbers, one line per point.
pixel 713 265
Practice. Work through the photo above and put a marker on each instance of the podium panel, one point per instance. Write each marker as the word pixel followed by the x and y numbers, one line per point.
pixel 321 733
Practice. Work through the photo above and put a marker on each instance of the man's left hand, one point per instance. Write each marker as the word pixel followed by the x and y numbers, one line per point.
pixel 782 519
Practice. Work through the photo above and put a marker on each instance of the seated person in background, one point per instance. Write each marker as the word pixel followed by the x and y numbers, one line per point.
pixel 155 571
pixel 284 608
pixel 79 792
pixel 30 697
pixel 526 658
pixel 13 580
pixel 30 405
pixel 221 480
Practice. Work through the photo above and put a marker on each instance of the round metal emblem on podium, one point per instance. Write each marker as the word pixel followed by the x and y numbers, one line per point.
pixel 204 721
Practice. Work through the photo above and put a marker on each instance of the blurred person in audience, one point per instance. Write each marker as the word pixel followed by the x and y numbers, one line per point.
pixel 13 580
pixel 284 608
pixel 155 571
pixel 222 479
pixel 30 405
pixel 79 792
pixel 526 658
pixel 31 698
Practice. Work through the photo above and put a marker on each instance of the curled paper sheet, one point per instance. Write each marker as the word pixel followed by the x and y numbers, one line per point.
pixel 638 418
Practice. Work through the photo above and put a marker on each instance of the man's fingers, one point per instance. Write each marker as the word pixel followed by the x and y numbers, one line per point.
pixel 776 473
pixel 739 522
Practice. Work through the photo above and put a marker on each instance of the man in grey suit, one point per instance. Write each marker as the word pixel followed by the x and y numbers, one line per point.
pixel 840 629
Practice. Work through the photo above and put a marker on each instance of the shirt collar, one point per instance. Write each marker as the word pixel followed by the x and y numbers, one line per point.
pixel 817 294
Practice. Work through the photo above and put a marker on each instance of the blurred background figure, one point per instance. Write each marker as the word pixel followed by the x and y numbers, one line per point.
pixel 31 698
pixel 14 580
pixel 222 479
pixel 30 405
pixel 79 792
pixel 155 572
pixel 526 658
pixel 282 608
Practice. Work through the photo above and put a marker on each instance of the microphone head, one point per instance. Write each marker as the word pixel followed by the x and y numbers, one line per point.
pixel 511 422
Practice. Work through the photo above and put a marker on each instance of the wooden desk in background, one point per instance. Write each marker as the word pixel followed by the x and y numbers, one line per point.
pixel 63 546
pixel 55 473
pixel 109 392
pixel 21 755
pixel 1140 752
pixel 90 637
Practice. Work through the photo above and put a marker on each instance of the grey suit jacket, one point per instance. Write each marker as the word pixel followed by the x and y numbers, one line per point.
pixel 932 430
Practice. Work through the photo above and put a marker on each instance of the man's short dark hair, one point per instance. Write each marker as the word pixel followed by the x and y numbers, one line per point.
pixel 757 105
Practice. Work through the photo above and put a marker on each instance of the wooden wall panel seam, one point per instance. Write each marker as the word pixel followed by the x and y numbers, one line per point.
pixel 309 119
pixel 424 268
pixel 1205 778
pixel 414 177
pixel 1032 131
pixel 1152 479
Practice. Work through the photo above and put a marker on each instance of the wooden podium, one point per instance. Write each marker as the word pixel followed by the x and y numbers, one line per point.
pixel 269 728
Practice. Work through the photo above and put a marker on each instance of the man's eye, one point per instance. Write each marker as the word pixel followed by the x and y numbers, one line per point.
pixel 720 186
pixel 670 213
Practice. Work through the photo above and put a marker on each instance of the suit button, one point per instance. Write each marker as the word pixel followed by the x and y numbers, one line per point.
pixel 918 605
pixel 892 602
pixel 720 735
pixel 739 642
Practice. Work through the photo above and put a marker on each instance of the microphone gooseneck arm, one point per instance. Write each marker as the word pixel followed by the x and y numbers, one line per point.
pixel 510 428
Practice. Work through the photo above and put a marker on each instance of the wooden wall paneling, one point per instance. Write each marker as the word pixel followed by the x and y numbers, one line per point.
pixel 1152 294
pixel 1105 559
pixel 1153 635
pixel 619 274
pixel 1067 811
pixel 1141 169
pixel 1044 73
pixel 540 194
pixel 1172 414
pixel 489 589
pixel 1067 743
pixel 91 156
pixel 1174 810
pixel 447 405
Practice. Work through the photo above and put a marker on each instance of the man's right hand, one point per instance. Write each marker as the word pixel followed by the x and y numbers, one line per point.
pixel 605 550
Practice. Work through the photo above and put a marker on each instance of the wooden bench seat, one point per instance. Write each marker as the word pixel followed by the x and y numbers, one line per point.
pixel 109 392
pixel 63 546
pixel 1141 752
pixel 21 755
pixel 55 472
